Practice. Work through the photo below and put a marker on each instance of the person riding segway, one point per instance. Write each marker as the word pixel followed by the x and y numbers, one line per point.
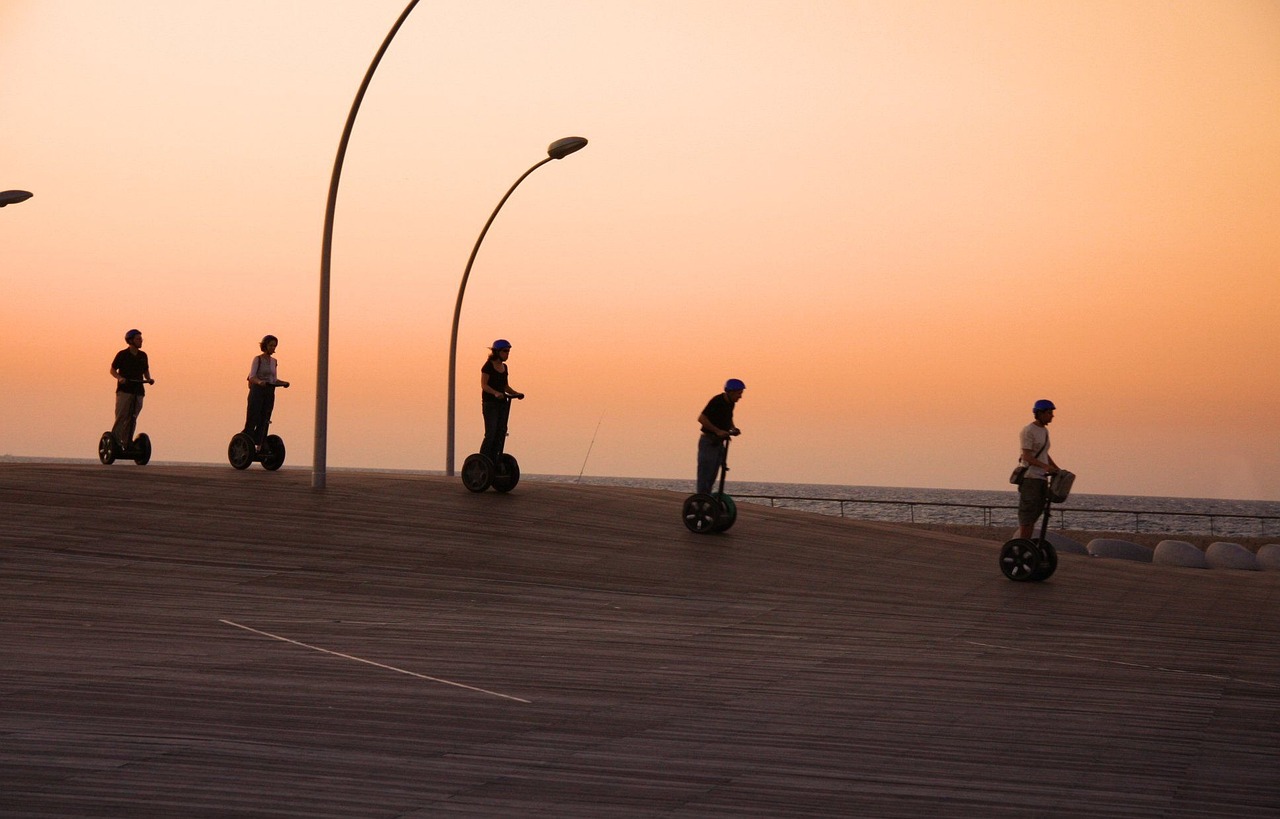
pixel 1040 482
pixel 491 466
pixel 254 444
pixel 707 511
pixel 132 370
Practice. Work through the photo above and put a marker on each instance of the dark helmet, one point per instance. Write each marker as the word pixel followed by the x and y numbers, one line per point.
pixel 734 384
pixel 501 344
pixel 1042 405
pixel 132 333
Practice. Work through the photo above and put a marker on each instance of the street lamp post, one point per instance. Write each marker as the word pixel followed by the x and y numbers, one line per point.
pixel 326 251
pixel 14 197
pixel 556 150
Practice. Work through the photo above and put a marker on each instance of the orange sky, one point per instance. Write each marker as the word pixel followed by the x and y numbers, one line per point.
pixel 899 222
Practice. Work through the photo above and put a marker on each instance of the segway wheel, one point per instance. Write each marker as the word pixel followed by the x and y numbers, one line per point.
pixel 1048 561
pixel 1020 558
pixel 477 472
pixel 730 511
pixel 273 453
pixel 142 449
pixel 107 448
pixel 240 451
pixel 702 513
pixel 507 475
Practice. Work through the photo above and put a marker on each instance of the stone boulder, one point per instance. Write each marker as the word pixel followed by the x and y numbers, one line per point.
pixel 1269 557
pixel 1179 553
pixel 1119 549
pixel 1222 555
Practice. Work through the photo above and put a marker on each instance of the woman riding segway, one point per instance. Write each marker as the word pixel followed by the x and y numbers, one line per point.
pixel 254 444
pixel 491 466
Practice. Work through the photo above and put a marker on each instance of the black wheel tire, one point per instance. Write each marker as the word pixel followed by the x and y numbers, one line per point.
pixel 477 472
pixel 507 475
pixel 107 448
pixel 273 453
pixel 1048 561
pixel 702 514
pixel 240 451
pixel 142 449
pixel 1020 558
pixel 730 513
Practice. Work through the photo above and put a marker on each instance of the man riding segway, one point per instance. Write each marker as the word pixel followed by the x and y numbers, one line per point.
pixel 707 510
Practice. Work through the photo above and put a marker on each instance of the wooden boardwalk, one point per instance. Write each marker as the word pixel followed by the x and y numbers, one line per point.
pixel 193 641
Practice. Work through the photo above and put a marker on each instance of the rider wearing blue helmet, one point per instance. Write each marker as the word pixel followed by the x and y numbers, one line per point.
pixel 1033 492
pixel 716 421
pixel 495 399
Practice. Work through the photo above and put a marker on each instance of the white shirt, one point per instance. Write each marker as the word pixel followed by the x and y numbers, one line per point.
pixel 1034 437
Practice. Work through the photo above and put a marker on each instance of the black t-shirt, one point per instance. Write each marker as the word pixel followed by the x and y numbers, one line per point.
pixel 132 367
pixel 719 411
pixel 497 381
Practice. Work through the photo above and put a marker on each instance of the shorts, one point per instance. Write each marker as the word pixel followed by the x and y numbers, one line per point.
pixel 1033 495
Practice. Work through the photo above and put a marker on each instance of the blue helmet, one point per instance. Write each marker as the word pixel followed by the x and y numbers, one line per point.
pixel 131 334
pixel 734 384
pixel 501 344
pixel 1042 405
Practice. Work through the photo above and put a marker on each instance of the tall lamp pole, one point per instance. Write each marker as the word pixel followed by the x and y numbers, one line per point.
pixel 326 250
pixel 14 197
pixel 556 150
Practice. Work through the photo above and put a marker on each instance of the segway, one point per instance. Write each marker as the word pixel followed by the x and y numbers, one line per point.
pixel 243 450
pixel 1035 559
pixel 138 450
pixel 479 472
pixel 716 512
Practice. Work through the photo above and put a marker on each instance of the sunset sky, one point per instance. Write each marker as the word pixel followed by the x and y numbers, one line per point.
pixel 900 222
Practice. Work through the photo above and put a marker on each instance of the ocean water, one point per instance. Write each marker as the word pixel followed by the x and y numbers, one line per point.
pixel 1119 513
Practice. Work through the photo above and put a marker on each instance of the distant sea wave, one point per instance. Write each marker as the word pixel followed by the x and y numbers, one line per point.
pixel 891 504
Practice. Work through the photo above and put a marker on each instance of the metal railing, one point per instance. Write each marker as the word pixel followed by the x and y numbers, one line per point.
pixel 1266 524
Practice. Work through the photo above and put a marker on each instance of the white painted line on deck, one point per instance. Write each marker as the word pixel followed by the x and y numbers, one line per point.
pixel 375 664
pixel 1207 676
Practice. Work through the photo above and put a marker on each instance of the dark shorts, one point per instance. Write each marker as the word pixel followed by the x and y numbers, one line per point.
pixel 1033 494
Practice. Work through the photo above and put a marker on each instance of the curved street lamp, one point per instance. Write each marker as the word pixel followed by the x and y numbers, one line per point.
pixel 321 452
pixel 14 197
pixel 556 150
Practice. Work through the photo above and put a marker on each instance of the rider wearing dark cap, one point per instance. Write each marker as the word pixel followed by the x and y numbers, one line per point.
pixel 131 370
pixel 716 421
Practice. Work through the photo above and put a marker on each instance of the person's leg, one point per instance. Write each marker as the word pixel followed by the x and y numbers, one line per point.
pixel 124 408
pixel 491 423
pixel 709 453
pixel 253 413
pixel 1032 493
pixel 504 415
pixel 133 416
pixel 268 406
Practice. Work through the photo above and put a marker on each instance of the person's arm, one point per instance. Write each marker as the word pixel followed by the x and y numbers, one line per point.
pixel 516 395
pixel 713 429
pixel 1029 458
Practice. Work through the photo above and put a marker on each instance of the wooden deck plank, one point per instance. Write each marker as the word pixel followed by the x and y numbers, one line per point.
pixel 796 666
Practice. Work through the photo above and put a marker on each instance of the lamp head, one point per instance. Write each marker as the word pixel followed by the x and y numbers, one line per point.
pixel 14 197
pixel 563 147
